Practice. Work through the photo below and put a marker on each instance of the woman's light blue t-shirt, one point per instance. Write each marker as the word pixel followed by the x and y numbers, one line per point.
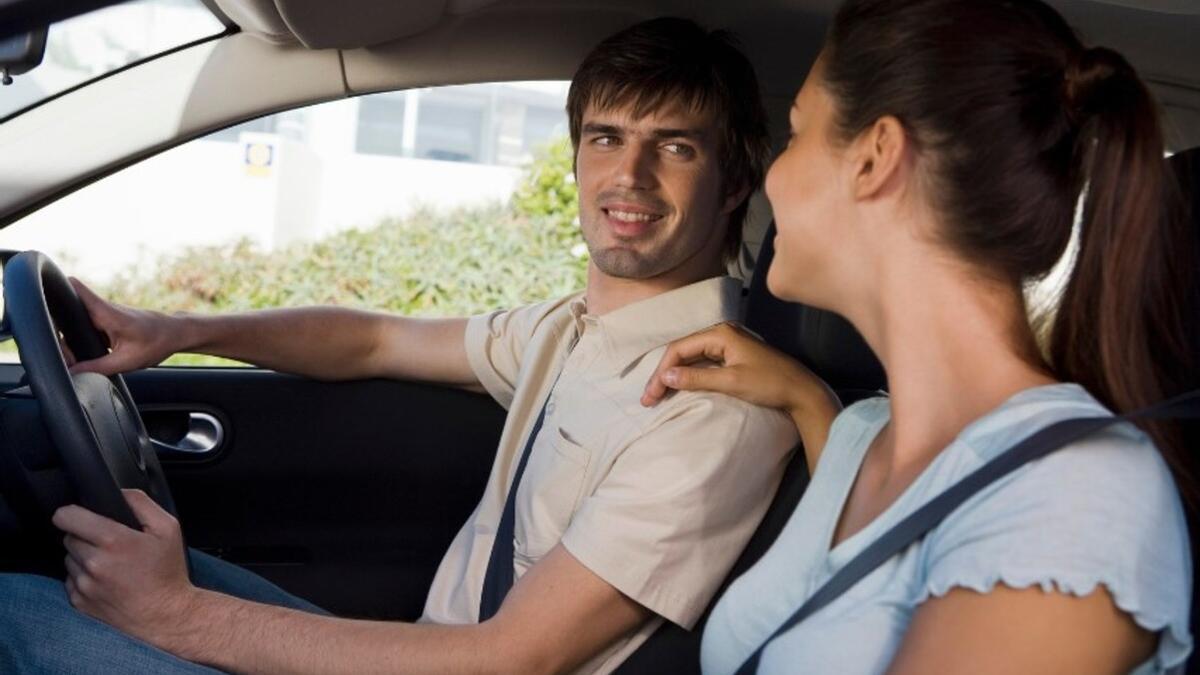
pixel 1103 510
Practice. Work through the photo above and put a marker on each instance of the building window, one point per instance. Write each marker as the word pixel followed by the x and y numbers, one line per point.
pixel 450 130
pixel 381 125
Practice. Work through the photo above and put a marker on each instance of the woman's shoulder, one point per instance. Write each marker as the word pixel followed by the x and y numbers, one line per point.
pixel 1108 467
pixel 1101 511
pixel 1099 484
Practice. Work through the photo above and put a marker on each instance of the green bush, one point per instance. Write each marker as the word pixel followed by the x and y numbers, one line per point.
pixel 547 190
pixel 427 264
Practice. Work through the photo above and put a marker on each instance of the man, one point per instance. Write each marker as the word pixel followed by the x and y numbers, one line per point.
pixel 601 518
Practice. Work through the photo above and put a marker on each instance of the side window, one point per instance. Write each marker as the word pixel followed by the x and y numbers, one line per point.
pixel 434 202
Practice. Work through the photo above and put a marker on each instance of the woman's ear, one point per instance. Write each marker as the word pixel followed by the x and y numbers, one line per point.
pixel 879 156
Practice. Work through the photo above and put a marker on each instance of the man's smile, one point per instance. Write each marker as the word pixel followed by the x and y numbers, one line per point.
pixel 627 220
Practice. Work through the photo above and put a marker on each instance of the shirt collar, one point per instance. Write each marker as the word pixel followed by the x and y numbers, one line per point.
pixel 635 329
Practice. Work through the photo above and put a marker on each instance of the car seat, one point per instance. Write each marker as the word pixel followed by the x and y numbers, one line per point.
pixel 1186 166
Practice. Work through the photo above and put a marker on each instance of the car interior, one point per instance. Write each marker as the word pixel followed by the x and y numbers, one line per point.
pixel 348 494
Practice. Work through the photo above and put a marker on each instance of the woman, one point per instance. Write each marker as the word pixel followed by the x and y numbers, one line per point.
pixel 938 150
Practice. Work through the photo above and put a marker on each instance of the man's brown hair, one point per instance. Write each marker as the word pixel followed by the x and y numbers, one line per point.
pixel 666 60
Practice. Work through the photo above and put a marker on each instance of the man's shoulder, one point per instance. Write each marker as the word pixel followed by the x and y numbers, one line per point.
pixel 522 320
pixel 560 305
pixel 716 411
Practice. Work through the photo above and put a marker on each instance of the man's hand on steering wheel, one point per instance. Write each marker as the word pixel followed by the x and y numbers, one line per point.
pixel 139 338
pixel 136 581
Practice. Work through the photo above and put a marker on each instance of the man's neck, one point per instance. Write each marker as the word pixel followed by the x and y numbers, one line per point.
pixel 607 293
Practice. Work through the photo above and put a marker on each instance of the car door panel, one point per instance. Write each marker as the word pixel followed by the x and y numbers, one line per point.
pixel 346 494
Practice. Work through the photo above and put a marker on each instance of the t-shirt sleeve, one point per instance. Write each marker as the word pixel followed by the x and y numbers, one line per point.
pixel 495 343
pixel 1103 511
pixel 680 502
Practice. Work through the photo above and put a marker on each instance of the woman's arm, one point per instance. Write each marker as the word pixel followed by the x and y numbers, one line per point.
pixel 1022 631
pixel 749 369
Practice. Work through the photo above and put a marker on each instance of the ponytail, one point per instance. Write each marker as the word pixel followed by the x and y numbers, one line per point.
pixel 1126 326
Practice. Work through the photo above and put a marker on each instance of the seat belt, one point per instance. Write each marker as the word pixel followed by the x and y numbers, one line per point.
pixel 924 519
pixel 498 578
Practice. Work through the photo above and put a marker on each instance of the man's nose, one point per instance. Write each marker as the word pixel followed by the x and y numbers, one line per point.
pixel 636 167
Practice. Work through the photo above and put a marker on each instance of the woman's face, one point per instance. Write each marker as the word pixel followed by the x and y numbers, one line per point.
pixel 808 186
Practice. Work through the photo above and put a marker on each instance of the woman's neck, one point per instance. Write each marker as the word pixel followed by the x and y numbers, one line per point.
pixel 955 346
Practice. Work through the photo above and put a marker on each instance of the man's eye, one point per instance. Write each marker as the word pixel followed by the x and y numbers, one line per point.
pixel 680 149
pixel 605 141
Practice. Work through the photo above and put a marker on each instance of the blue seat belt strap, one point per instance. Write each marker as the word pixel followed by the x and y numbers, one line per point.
pixel 924 519
pixel 498 579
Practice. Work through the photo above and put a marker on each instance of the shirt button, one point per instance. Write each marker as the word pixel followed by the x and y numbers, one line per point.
pixel 550 407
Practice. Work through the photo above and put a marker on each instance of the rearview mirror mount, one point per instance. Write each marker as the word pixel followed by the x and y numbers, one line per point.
pixel 21 53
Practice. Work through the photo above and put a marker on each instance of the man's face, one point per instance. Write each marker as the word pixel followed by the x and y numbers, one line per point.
pixel 650 192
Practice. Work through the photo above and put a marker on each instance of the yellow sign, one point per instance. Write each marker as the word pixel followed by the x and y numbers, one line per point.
pixel 259 158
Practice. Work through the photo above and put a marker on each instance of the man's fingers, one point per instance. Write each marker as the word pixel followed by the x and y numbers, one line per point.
pixel 149 513
pixel 90 527
pixel 72 590
pixel 96 306
pixel 75 571
pixel 79 549
pixel 109 364
pixel 68 355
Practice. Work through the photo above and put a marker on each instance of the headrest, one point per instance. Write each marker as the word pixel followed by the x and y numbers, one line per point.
pixel 821 340
pixel 1186 165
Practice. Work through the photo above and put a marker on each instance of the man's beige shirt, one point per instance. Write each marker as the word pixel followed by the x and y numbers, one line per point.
pixel 656 501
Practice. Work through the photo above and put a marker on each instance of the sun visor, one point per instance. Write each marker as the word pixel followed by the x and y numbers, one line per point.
pixel 347 24
pixel 259 18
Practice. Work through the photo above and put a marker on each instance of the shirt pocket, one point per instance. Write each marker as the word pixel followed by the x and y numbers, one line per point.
pixel 549 495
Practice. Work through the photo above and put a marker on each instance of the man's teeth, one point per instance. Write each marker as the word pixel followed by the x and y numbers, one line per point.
pixel 630 217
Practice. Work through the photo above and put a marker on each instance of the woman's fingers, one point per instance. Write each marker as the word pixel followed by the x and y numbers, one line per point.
pixel 706 345
pixel 726 380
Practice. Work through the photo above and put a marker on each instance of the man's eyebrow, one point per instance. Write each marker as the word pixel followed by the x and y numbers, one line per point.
pixel 679 133
pixel 668 132
pixel 606 129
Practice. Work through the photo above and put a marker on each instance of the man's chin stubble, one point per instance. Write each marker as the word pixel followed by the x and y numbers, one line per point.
pixel 623 263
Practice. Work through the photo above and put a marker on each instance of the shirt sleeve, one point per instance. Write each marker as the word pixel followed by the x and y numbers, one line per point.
pixel 495 343
pixel 1101 512
pixel 680 502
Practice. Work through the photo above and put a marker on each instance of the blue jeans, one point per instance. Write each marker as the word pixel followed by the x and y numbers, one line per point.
pixel 40 632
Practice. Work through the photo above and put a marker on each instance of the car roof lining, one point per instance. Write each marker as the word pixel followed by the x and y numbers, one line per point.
pixel 1145 30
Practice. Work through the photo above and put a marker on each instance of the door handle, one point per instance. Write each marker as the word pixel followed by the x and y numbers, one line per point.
pixel 204 435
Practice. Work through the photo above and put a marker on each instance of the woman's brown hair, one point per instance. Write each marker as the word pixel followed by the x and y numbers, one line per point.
pixel 1016 121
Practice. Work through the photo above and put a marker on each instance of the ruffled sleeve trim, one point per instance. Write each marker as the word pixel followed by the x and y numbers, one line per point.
pixel 1174 645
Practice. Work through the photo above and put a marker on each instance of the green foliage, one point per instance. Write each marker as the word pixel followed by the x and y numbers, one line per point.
pixel 548 189
pixel 429 264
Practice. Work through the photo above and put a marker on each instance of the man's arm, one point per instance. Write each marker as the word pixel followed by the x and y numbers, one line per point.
pixel 326 343
pixel 557 616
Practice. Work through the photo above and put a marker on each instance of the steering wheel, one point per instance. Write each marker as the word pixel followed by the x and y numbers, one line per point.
pixel 96 434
